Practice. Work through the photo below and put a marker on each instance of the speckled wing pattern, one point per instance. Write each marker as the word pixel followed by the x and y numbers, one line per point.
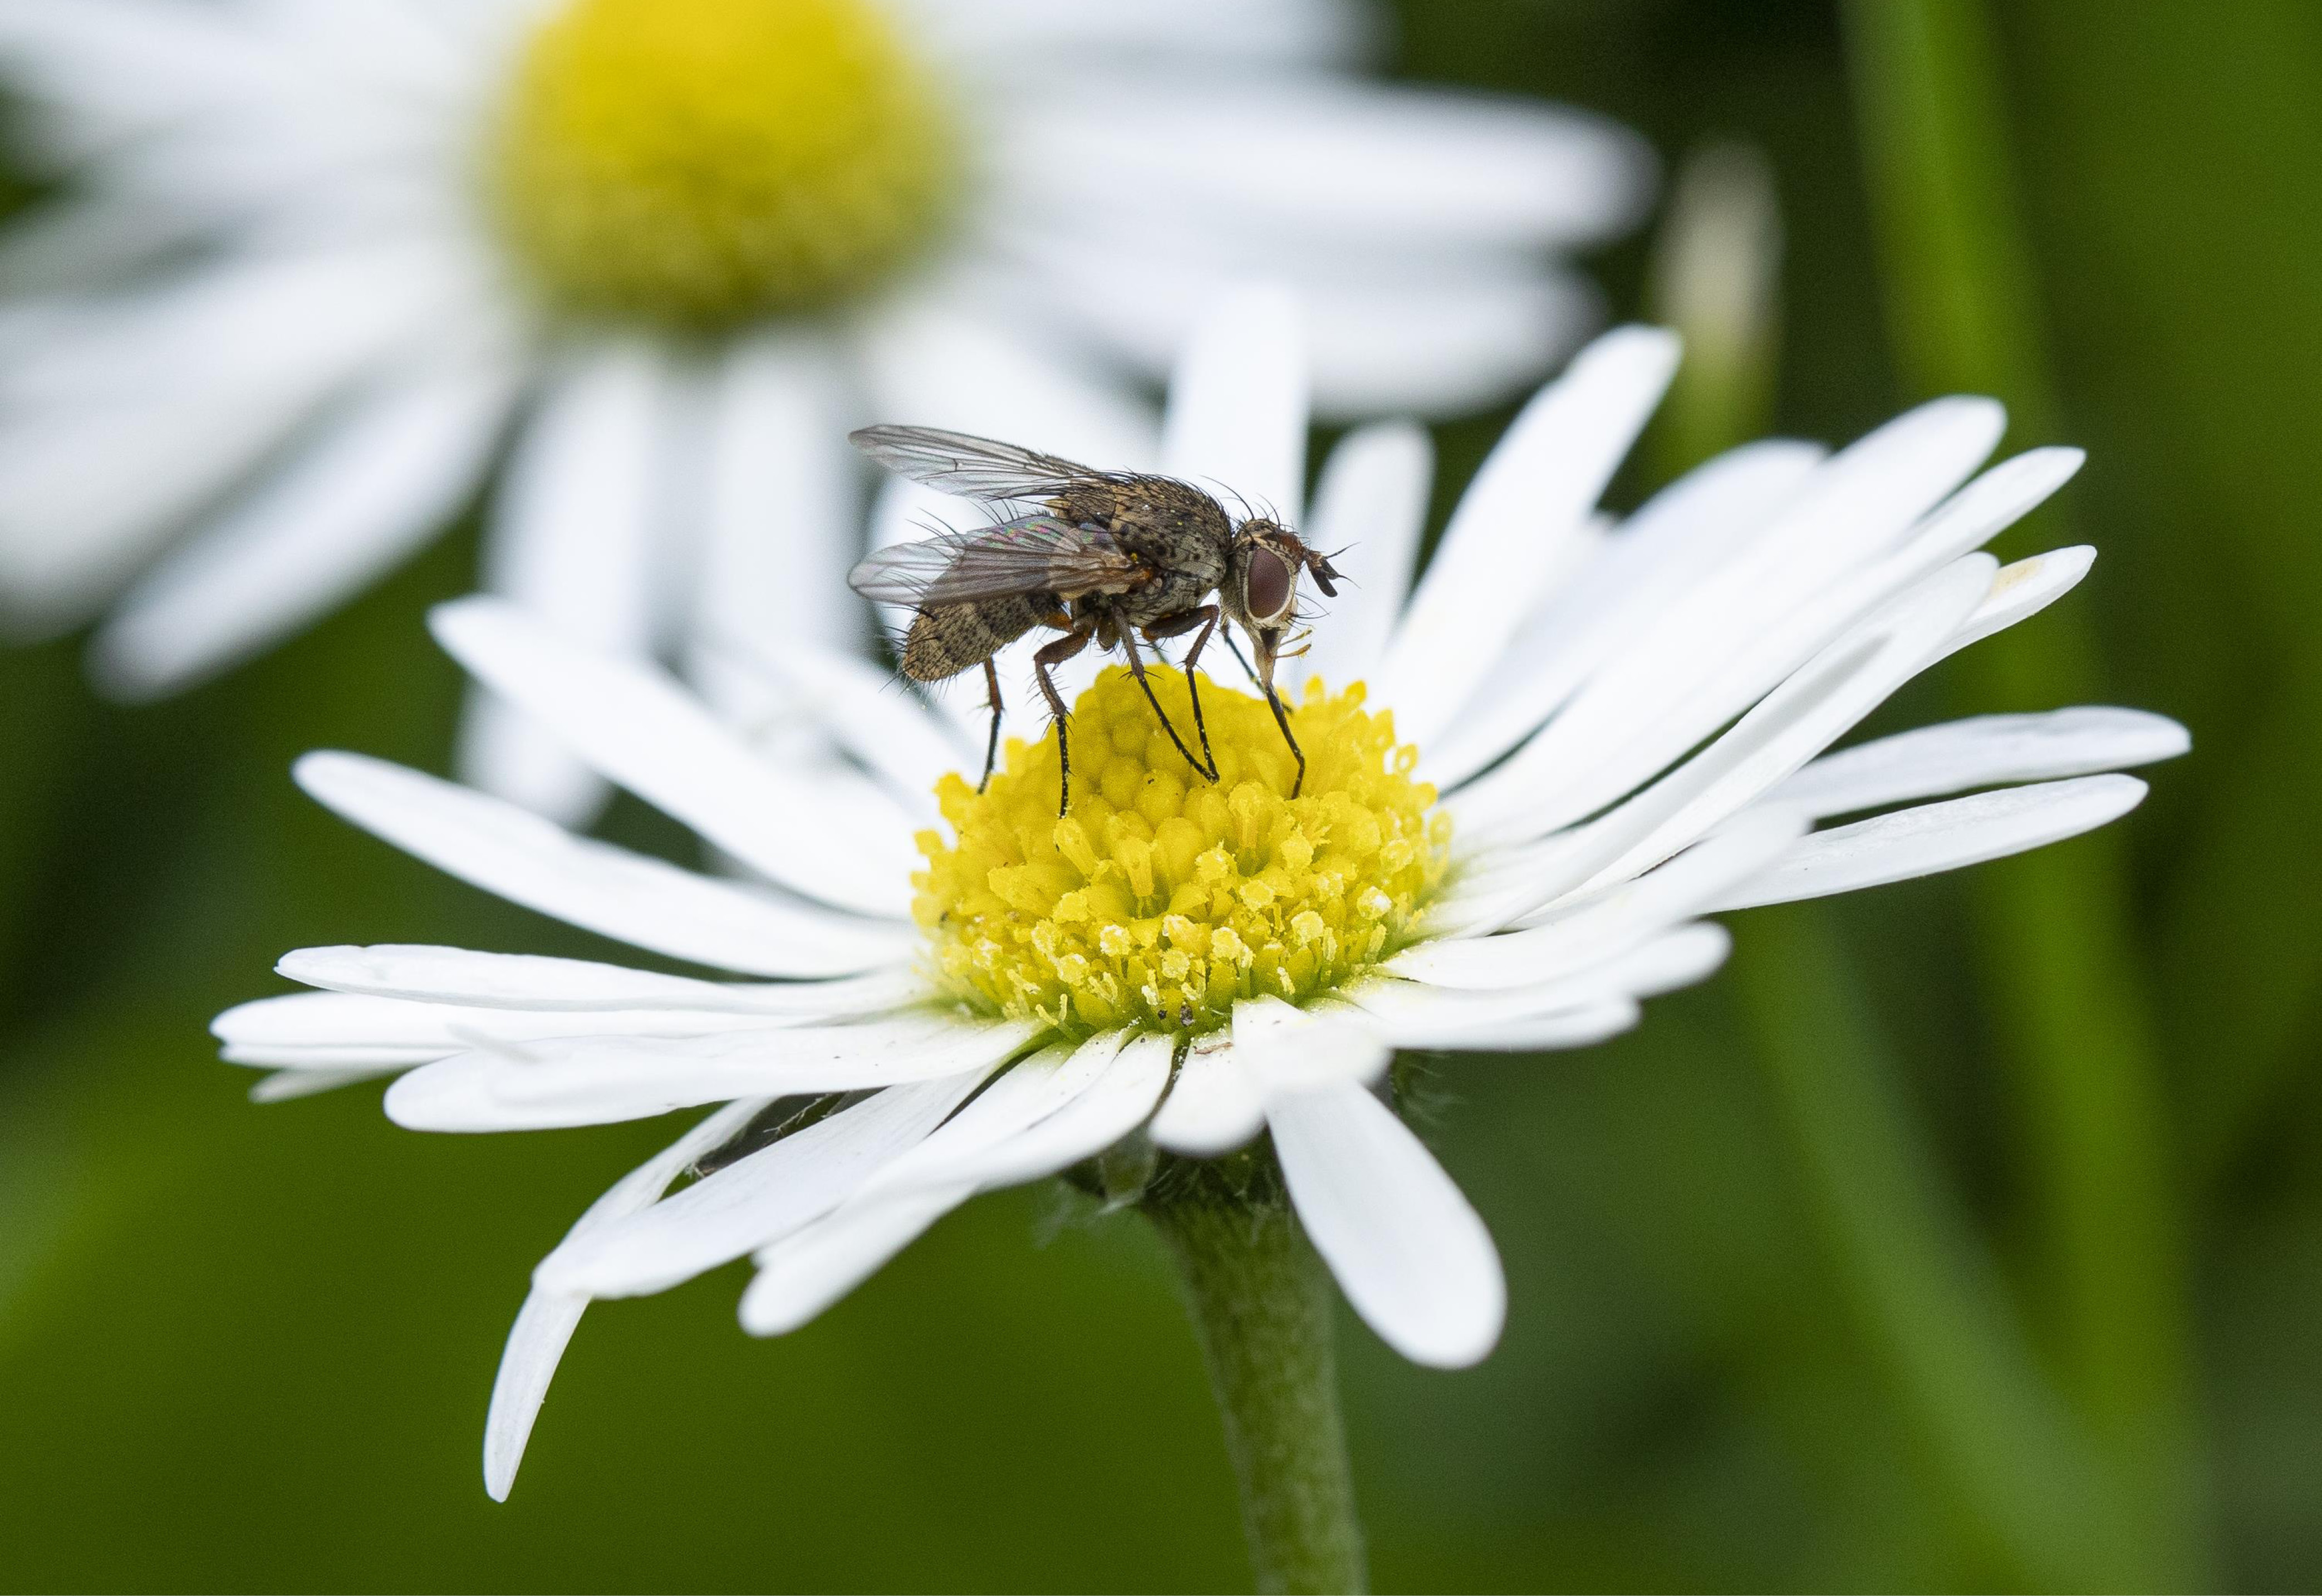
pixel 1035 554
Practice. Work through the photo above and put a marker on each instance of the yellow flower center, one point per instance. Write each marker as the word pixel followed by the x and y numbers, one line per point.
pixel 700 164
pixel 1162 898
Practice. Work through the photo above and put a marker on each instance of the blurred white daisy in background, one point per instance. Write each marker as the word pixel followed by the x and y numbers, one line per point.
pixel 1627 721
pixel 314 261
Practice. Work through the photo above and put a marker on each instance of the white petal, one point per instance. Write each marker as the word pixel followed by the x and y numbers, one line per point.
pixel 1219 1098
pixel 603 1080
pixel 580 537
pixel 329 1020
pixel 58 247
pixel 1117 1102
pixel 1686 664
pixel 944 360
pixel 518 856
pixel 1443 342
pixel 1684 534
pixel 1237 418
pixel 754 1199
pixel 123 433
pixel 1427 335
pixel 546 1322
pixel 329 1058
pixel 1411 1254
pixel 1214 1105
pixel 1036 1089
pixel 248 325
pixel 1984 752
pixel 1362 167
pixel 1935 837
pixel 1753 626
pixel 784 512
pixel 1251 32
pixel 1587 934
pixel 1823 701
pixel 861 709
pixel 844 844
pixel 285 1085
pixel 1807 712
pixel 2021 590
pixel 108 49
pixel 1519 528
pixel 1547 1030
pixel 376 43
pixel 1418 1013
pixel 1287 1050
pixel 803 1274
pixel 1370 502
pixel 530 981
pixel 389 474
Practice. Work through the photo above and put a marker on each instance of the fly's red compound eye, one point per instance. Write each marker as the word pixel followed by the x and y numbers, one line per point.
pixel 1266 590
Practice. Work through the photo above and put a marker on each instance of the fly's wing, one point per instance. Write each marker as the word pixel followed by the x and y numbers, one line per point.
pixel 971 467
pixel 1037 554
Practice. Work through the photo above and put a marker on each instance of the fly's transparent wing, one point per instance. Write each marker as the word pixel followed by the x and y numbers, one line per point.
pixel 971 467
pixel 1037 554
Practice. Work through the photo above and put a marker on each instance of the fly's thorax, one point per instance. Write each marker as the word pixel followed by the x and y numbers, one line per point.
pixel 1173 592
pixel 1161 898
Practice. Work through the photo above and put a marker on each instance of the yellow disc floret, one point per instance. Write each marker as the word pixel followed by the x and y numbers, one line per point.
pixel 703 163
pixel 1162 898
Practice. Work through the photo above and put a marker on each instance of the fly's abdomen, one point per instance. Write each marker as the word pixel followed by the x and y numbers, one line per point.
pixel 946 639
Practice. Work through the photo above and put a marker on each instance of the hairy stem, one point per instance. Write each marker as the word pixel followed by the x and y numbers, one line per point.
pixel 1262 1308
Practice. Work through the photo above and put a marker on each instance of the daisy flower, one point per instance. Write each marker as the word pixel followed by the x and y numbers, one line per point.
pixel 318 263
pixel 1532 772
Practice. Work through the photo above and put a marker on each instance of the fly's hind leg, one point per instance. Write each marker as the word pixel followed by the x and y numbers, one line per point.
pixel 1205 617
pixel 1205 766
pixel 992 745
pixel 1056 653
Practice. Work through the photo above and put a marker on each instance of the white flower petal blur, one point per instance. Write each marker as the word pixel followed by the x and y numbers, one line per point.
pixel 281 223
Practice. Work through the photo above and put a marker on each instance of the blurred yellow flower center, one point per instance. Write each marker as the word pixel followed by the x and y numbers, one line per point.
pixel 1160 899
pixel 704 163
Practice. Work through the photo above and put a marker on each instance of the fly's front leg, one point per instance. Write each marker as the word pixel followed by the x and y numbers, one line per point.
pixel 1281 719
pixel 991 744
pixel 1234 649
pixel 1056 654
pixel 1137 668
pixel 1206 617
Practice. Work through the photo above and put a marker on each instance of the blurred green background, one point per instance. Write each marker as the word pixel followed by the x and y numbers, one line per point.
pixel 1964 1235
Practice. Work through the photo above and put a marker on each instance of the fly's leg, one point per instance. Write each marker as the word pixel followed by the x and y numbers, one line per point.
pixel 1056 654
pixel 1137 668
pixel 1206 617
pixel 992 746
pixel 1281 719
pixel 1234 649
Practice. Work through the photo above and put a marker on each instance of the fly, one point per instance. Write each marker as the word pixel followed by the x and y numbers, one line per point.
pixel 1111 558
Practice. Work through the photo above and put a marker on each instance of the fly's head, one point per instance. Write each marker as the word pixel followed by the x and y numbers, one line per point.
pixel 1261 588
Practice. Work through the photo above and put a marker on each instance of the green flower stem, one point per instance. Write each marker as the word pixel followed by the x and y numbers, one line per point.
pixel 1262 1306
pixel 1961 291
